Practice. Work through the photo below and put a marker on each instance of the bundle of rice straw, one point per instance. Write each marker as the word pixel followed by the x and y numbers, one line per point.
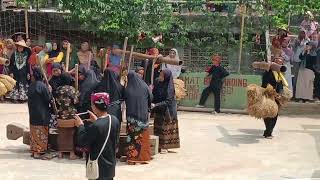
pixel 8 82
pixel 180 89
pixel 284 97
pixel 261 102
pixel 3 89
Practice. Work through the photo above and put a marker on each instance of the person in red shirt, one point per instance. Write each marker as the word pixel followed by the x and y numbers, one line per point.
pixel 217 73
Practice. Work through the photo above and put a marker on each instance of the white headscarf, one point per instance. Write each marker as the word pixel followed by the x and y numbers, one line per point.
pixel 175 69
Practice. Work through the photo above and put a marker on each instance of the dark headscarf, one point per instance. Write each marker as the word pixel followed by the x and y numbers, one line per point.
pixel 57 81
pixel 54 53
pixel 138 98
pixel 111 85
pixel 164 93
pixel 37 74
pixel 88 85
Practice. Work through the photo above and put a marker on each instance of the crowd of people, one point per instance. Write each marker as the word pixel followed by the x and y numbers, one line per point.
pixel 301 56
pixel 93 99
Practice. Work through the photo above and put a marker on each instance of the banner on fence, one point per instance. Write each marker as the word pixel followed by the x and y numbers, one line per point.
pixel 233 95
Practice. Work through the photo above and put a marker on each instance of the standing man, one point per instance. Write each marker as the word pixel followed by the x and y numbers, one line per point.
pixel 217 73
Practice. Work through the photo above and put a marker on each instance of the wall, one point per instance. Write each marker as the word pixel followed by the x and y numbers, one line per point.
pixel 233 93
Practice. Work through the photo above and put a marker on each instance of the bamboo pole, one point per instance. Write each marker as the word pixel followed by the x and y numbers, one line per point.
pixel 53 102
pixel 89 61
pixel 243 10
pixel 26 23
pixel 68 57
pixel 122 64
pixel 161 59
pixel 4 61
pixel 130 57
pixel 77 77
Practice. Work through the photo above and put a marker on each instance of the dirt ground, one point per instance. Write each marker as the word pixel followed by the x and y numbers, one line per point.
pixel 213 147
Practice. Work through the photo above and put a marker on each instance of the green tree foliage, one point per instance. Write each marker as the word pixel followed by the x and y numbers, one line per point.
pixel 126 18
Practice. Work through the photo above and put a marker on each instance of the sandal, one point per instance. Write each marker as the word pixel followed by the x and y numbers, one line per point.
pixel 49 156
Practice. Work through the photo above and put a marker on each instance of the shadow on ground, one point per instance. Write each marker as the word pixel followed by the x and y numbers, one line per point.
pixel 251 136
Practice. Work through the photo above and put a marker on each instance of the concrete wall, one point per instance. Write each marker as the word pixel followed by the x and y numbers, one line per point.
pixel 233 94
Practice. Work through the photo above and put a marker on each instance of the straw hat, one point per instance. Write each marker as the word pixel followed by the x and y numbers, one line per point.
pixel 21 43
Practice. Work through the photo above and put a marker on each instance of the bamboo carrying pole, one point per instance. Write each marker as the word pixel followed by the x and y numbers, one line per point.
pixel 4 61
pixel 161 59
pixel 130 57
pixel 53 102
pixel 89 61
pixel 243 11
pixel 77 77
pixel 68 57
pixel 122 64
pixel 26 23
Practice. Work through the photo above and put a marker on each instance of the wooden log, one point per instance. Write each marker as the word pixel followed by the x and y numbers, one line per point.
pixel 4 61
pixel 53 139
pixel 123 129
pixel 122 151
pixel 15 131
pixel 70 123
pixel 154 144
pixel 26 137
pixel 65 139
pixel 160 59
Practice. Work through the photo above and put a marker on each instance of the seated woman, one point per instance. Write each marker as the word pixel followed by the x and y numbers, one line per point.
pixel 59 78
pixel 39 114
pixel 138 103
pixel 101 136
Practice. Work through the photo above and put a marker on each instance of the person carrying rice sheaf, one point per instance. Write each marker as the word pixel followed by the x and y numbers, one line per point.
pixel 278 81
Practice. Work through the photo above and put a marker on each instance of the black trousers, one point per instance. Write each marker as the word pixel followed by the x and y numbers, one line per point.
pixel 316 90
pixel 270 123
pixel 216 92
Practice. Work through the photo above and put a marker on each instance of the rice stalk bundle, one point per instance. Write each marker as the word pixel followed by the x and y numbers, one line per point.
pixel 180 89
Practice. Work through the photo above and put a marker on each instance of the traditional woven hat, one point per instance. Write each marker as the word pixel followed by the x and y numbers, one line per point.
pixel 21 43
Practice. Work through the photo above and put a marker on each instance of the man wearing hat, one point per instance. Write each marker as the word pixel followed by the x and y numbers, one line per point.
pixel 20 71
pixel 217 73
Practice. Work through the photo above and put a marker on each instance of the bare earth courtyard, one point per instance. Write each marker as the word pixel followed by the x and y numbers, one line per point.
pixel 214 147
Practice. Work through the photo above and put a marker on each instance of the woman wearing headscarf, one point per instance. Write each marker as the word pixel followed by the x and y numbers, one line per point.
pixel 87 84
pixel 59 78
pixel 111 85
pixel 287 54
pixel 39 114
pixel 44 56
pixel 147 65
pixel 306 75
pixel 298 47
pixel 20 71
pixel 165 112
pixel 138 102
pixel 175 69
pixel 85 55
pixel 114 59
pixel 33 58
pixel 55 56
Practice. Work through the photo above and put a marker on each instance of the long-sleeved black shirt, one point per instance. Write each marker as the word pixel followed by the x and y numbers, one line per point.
pixel 217 73
pixel 38 104
pixel 94 136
